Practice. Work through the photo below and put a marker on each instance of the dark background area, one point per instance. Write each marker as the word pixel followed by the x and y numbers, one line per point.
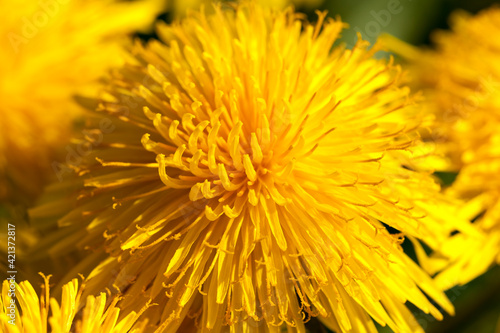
pixel 414 22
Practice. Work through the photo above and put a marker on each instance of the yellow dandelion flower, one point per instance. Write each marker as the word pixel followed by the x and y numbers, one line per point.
pixel 52 49
pixel 241 173
pixel 462 85
pixel 22 311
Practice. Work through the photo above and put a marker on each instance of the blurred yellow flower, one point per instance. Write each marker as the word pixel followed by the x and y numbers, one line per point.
pixel 461 81
pixel 22 311
pixel 51 50
pixel 243 175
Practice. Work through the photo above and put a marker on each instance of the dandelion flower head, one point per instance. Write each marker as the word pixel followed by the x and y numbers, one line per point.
pixel 23 311
pixel 242 175
pixel 51 50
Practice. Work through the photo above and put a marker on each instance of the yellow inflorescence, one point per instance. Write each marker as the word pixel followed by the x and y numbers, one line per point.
pixel 463 89
pixel 243 174
pixel 22 311
pixel 52 50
